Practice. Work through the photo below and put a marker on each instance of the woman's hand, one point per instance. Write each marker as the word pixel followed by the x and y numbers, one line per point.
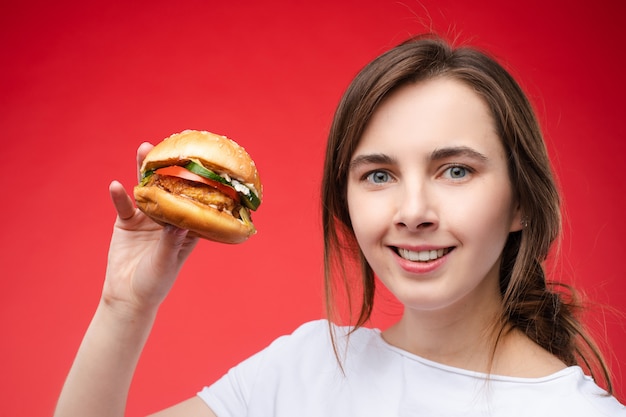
pixel 144 257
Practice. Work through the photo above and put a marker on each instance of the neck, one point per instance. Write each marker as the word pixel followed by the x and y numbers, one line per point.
pixel 462 336
pixel 473 341
pixel 457 343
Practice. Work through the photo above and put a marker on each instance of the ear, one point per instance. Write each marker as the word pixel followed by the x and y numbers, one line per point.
pixel 517 223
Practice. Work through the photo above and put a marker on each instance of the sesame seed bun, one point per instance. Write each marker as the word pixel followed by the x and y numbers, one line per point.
pixel 215 152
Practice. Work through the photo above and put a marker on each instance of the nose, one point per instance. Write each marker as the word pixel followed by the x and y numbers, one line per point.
pixel 416 207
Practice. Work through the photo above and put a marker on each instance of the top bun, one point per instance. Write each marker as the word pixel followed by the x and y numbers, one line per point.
pixel 215 152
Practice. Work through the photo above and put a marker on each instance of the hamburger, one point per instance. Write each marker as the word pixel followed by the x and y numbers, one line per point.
pixel 202 182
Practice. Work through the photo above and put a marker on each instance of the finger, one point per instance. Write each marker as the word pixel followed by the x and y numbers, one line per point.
pixel 174 247
pixel 166 261
pixel 178 239
pixel 121 200
pixel 142 151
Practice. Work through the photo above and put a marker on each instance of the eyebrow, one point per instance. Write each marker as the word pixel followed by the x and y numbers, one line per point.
pixel 375 158
pixel 457 151
pixel 437 154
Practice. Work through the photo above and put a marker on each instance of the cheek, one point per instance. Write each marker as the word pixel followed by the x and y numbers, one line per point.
pixel 486 217
pixel 368 216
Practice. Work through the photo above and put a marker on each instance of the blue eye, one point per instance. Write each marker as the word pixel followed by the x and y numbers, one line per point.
pixel 378 177
pixel 457 172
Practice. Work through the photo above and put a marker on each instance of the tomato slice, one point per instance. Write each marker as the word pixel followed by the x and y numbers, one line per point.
pixel 180 172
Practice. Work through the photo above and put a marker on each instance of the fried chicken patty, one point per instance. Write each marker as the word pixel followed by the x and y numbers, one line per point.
pixel 198 192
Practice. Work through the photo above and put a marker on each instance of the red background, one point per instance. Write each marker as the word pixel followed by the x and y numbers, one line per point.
pixel 84 83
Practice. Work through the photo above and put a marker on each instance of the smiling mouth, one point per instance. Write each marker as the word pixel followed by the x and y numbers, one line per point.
pixel 423 255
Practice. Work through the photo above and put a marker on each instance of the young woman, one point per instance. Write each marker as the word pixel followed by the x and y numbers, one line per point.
pixel 436 181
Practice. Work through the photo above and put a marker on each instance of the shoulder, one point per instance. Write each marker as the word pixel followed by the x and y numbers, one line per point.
pixel 594 399
pixel 317 349
pixel 310 347
pixel 293 373
pixel 321 338
pixel 312 334
pixel 567 392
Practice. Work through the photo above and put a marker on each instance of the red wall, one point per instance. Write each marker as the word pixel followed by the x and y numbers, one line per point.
pixel 83 83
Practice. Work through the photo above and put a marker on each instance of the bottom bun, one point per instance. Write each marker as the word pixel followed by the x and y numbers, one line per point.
pixel 201 220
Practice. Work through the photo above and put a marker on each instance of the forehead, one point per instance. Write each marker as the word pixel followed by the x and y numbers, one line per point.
pixel 430 114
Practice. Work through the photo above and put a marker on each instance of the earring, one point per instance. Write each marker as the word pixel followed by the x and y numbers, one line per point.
pixel 524 222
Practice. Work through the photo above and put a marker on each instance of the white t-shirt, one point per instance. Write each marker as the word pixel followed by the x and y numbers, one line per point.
pixel 298 376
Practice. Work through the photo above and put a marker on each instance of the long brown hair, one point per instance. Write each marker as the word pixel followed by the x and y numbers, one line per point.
pixel 546 313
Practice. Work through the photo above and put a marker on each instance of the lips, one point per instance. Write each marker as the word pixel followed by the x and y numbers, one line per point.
pixel 422 255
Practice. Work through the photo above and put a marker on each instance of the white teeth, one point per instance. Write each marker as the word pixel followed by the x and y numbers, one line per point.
pixel 423 255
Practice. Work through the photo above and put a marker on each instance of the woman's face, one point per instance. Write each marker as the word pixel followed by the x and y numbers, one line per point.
pixel 429 196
